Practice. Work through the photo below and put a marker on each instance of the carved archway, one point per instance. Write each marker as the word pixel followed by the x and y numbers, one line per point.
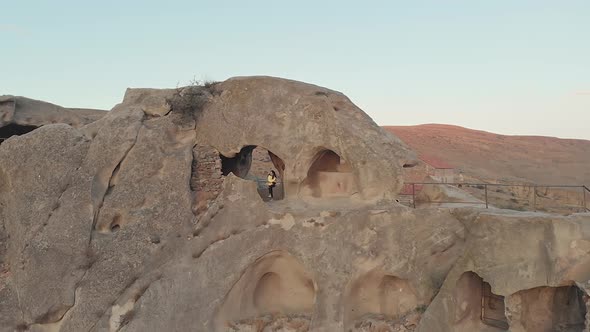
pixel 276 287
pixel 328 176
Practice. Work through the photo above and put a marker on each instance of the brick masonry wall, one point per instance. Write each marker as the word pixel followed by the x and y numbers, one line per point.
pixel 206 179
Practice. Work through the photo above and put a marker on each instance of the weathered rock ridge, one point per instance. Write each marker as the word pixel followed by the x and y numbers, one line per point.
pixel 142 221
pixel 21 111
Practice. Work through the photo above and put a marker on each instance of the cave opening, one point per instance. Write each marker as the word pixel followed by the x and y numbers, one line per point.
pixel 239 164
pixel 14 129
pixel 329 176
pixel 476 302
pixel 275 289
pixel 379 299
pixel 549 308
pixel 254 163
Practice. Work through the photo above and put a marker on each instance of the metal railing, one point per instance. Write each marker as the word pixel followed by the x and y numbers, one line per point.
pixel 586 189
pixel 411 190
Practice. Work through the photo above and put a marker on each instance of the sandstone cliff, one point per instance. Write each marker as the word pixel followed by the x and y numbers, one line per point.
pixel 144 220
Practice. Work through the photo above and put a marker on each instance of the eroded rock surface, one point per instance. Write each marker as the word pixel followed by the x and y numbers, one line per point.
pixel 137 222
pixel 26 112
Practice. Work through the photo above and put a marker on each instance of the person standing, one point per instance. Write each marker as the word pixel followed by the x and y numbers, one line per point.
pixel 271 182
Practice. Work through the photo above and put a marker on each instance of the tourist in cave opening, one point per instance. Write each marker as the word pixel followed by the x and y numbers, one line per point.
pixel 271 182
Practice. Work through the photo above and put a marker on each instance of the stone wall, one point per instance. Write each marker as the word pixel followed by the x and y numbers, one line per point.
pixel 206 179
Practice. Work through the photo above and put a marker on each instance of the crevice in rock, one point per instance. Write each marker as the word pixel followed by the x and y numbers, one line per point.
pixel 410 165
pixel 134 290
pixel 20 306
pixel 139 289
pixel 115 174
pixel 38 227
pixel 56 205
pixel 96 212
pixel 57 315
pixel 194 175
pixel 221 238
pixel 112 181
pixel 199 253
pixel 53 315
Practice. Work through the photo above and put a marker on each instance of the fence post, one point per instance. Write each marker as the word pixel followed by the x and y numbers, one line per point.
pixel 486 188
pixel 535 198
pixel 584 199
pixel 414 194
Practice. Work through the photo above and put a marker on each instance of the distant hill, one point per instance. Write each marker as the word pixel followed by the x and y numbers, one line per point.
pixel 489 156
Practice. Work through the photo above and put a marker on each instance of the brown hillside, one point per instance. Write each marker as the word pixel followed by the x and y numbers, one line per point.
pixel 490 156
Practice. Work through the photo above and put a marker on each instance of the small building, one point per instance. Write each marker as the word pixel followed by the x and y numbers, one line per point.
pixel 439 169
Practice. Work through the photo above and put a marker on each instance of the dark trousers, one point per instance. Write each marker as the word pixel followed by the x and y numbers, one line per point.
pixel 270 190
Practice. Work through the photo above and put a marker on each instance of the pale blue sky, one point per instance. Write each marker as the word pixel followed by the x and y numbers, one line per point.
pixel 506 66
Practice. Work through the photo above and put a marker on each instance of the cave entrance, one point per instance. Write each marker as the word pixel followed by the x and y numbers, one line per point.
pixel 254 163
pixel 549 308
pixel 476 302
pixel 329 176
pixel 239 164
pixel 14 129
pixel 376 299
pixel 492 307
pixel 274 290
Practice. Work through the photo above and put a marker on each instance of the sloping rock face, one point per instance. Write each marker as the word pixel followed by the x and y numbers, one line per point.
pixel 131 223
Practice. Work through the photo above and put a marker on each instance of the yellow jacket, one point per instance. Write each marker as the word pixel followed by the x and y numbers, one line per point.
pixel 271 180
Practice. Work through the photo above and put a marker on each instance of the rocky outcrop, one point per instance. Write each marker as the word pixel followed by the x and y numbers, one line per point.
pixel 134 222
pixel 20 115
pixel 29 112
pixel 297 122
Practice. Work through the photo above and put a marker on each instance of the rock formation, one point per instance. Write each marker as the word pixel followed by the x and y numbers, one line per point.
pixel 20 115
pixel 144 220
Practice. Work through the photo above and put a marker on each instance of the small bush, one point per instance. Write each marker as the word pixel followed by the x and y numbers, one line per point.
pixel 210 85
pixel 190 100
